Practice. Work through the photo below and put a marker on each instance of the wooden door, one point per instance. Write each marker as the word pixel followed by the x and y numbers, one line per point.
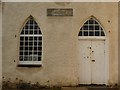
pixel 92 61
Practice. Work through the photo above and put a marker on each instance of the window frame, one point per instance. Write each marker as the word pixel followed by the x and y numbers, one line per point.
pixel 33 63
pixel 81 34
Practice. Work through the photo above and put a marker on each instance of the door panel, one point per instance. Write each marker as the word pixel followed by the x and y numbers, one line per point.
pixel 98 66
pixel 92 61
pixel 85 67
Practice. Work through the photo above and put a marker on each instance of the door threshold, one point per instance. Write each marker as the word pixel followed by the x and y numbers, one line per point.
pixel 93 85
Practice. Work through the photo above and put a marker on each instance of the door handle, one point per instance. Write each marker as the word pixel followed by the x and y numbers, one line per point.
pixel 93 60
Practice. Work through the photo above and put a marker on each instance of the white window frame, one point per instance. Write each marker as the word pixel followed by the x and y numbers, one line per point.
pixel 94 36
pixel 38 62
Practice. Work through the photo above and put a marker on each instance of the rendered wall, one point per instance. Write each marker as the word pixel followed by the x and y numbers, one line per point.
pixel 0 45
pixel 119 43
pixel 60 41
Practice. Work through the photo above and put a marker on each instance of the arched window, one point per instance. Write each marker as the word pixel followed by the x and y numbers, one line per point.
pixel 91 28
pixel 30 52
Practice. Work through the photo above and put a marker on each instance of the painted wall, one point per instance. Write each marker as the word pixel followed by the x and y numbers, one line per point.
pixel 0 45
pixel 60 41
pixel 119 43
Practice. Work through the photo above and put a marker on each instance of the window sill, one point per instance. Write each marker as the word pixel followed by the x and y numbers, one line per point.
pixel 92 37
pixel 30 63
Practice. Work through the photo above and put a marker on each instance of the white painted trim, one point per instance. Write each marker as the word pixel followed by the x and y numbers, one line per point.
pixel 30 35
pixel 30 62
pixel 60 1
pixel 91 37
pixel 107 60
pixel 106 52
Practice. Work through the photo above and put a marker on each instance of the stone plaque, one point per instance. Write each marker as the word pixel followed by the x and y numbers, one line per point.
pixel 59 12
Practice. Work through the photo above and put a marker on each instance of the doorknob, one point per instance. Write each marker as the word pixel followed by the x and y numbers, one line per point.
pixel 93 60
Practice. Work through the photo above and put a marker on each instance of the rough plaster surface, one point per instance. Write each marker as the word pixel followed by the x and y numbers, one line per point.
pixel 60 41
pixel 0 45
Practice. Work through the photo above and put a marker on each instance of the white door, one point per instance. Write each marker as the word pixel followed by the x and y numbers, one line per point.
pixel 92 61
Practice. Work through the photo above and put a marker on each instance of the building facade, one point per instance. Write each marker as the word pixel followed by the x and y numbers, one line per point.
pixel 60 44
pixel 1 45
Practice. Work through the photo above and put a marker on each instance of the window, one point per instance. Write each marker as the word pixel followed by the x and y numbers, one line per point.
pixel 91 28
pixel 30 51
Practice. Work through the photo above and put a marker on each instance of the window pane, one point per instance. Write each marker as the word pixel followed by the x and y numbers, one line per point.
pixel 40 38
pixel 21 53
pixel 39 31
pixel 36 27
pixel 39 43
pixel 81 29
pixel 39 48
pixel 97 33
pixel 22 32
pixel 91 22
pixel 85 33
pixel 26 43
pixel 35 58
pixel 31 31
pixel 85 28
pixel 30 48
pixel 39 58
pixel 30 38
pixel 39 53
pixel 21 58
pixel 35 31
pixel 30 52
pixel 96 22
pixel 80 33
pixel 26 58
pixel 30 58
pixel 21 38
pixel 21 43
pixel 101 29
pixel 21 48
pixel 30 43
pixel 35 38
pixel 91 27
pixel 35 52
pixel 31 21
pixel 86 22
pixel 35 48
pixel 26 31
pixel 96 27
pixel 26 48
pixel 102 33
pixel 26 27
pixel 91 33
pixel 25 53
pixel 26 38
pixel 35 43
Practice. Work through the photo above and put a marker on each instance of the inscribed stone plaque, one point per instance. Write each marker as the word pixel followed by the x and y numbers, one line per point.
pixel 59 12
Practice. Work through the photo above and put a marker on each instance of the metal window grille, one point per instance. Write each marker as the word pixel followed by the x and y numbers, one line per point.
pixel 30 42
pixel 91 28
